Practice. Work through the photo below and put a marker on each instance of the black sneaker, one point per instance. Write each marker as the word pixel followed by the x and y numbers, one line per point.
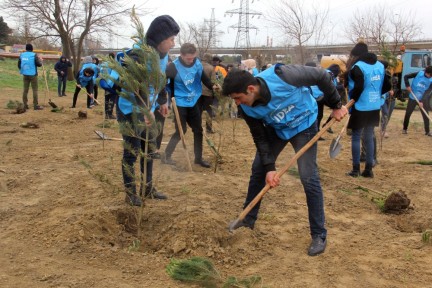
pixel 26 107
pixel 317 246
pixel 133 200
pixel 152 193
pixel 367 174
pixel 155 155
pixel 37 107
pixel 64 95
pixel 353 173
pixel 203 163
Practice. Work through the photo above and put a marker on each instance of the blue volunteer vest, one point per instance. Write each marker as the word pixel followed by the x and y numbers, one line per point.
pixel 187 83
pixel 419 85
pixel 291 109
pixel 95 69
pixel 84 80
pixel 28 65
pixel 370 98
pixel 109 75
pixel 126 106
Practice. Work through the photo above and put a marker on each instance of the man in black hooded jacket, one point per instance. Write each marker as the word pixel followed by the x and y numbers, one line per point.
pixel 62 67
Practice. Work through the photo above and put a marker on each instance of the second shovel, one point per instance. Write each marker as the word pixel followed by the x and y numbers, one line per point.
pixel 336 146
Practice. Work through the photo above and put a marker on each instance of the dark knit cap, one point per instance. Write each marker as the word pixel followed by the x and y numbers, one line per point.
pixel 359 49
pixel 29 47
pixel 334 69
pixel 161 28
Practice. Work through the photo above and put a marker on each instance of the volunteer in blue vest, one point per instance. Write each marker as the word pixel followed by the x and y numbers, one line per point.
pixel 278 107
pixel 367 81
pixel 421 82
pixel 82 81
pixel 27 64
pixel 161 36
pixel 110 87
pixel 185 75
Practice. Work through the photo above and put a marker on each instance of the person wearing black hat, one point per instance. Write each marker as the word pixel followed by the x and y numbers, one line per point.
pixel 27 64
pixel 367 81
pixel 160 36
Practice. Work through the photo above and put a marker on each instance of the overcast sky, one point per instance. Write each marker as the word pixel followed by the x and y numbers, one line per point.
pixel 339 13
pixel 195 11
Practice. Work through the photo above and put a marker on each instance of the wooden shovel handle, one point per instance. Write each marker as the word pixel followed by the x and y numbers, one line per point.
pixel 299 153
pixel 418 102
pixel 180 128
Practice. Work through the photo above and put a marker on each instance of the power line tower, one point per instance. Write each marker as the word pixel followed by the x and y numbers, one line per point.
pixel 243 26
pixel 210 28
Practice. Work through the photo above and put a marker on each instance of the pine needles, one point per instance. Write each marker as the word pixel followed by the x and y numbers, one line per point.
pixel 201 271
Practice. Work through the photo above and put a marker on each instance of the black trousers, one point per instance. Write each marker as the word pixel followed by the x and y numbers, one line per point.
pixel 192 117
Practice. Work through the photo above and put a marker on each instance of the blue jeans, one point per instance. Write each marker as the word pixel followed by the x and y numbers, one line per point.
pixel 308 170
pixel 61 87
pixel 368 140
pixel 132 128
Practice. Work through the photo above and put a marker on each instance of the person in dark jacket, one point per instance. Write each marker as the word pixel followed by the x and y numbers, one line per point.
pixel 62 67
pixel 279 109
pixel 84 79
pixel 161 36
pixel 421 82
pixel 367 81
pixel 27 64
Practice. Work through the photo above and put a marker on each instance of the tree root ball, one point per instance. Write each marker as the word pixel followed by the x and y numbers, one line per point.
pixel 82 114
pixel 396 202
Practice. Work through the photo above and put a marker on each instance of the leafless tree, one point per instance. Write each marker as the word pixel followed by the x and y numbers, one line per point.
pixel 379 26
pixel 299 22
pixel 198 34
pixel 70 20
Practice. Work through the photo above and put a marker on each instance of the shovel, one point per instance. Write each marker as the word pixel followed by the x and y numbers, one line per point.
pixel 258 197
pixel 103 136
pixel 336 146
pixel 424 111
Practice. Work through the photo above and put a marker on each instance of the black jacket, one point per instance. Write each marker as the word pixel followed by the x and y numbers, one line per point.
pixel 62 66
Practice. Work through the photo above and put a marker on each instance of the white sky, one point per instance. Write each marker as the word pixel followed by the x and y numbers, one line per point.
pixel 195 11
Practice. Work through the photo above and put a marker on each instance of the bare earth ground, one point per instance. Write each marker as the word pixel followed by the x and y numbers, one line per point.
pixel 64 222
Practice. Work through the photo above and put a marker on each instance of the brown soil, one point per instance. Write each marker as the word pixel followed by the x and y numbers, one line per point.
pixel 64 222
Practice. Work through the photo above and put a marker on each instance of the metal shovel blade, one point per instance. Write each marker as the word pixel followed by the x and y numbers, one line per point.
pixel 101 135
pixel 335 148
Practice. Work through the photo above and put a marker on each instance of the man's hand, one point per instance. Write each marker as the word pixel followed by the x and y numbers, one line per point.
pixel 91 96
pixel 339 114
pixel 421 104
pixel 272 179
pixel 149 121
pixel 408 89
pixel 163 110
pixel 79 86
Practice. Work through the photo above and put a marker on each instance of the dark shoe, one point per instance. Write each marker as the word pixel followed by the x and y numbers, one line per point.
pixel 243 223
pixel 133 200
pixel 203 163
pixel 210 131
pixel 38 107
pixel 155 155
pixel 167 160
pixel 152 193
pixel 367 173
pixel 317 246
pixel 72 107
pixel 64 95
pixel 428 134
pixel 26 107
pixel 355 172
pixel 404 131
pixel 111 116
